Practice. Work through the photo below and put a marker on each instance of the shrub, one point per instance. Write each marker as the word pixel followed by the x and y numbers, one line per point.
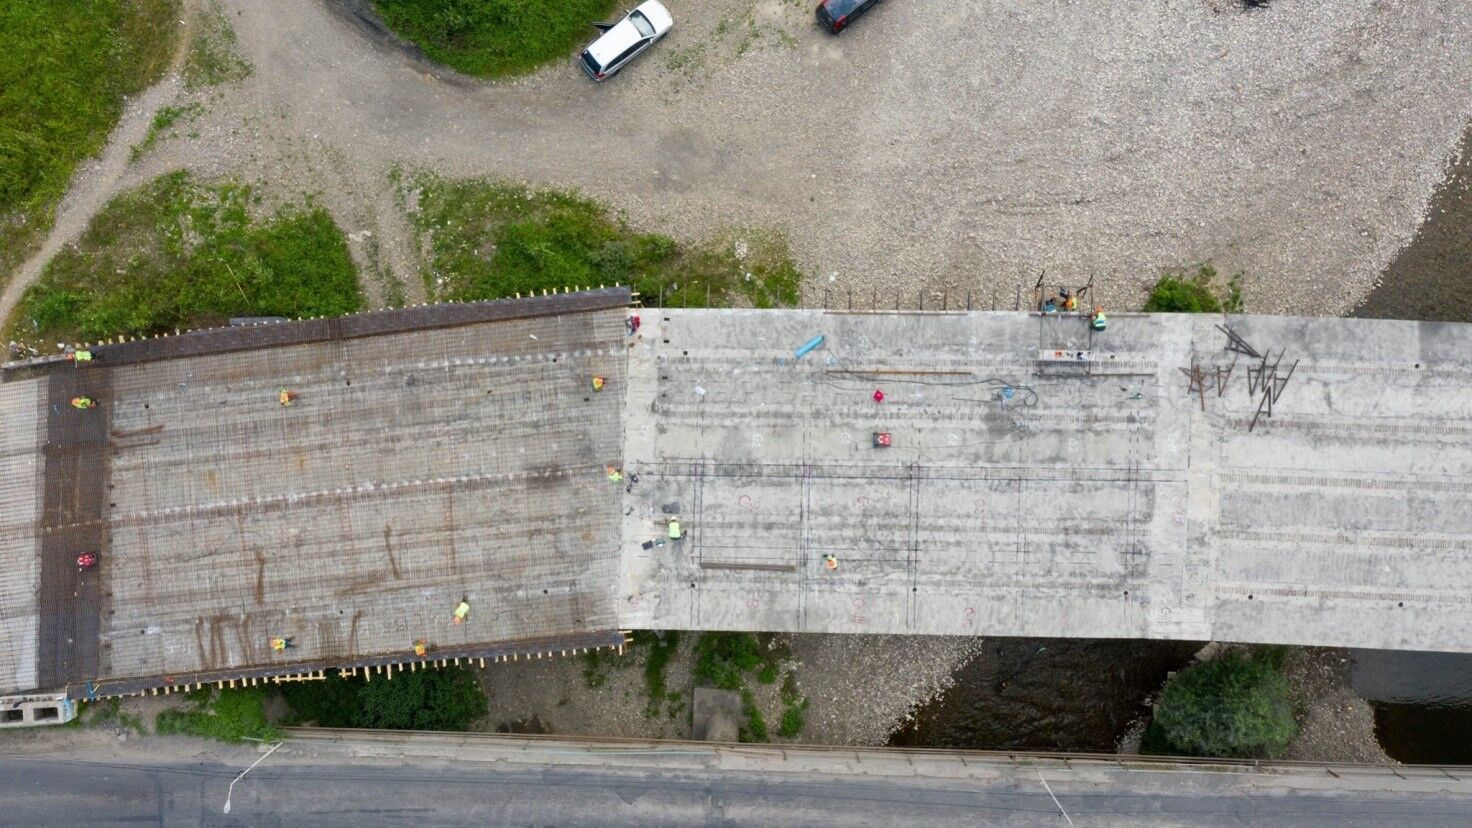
pixel 721 658
pixel 1194 294
pixel 445 699
pixel 1234 706
pixel 232 715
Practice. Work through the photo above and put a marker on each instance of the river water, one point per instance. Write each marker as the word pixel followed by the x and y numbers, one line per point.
pixel 1422 701
pixel 1047 694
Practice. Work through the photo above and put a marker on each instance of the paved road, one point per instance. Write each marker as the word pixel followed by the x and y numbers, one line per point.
pixel 51 791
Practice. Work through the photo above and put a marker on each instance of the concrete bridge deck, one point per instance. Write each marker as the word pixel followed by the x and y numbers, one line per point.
pixel 459 451
pixel 1103 498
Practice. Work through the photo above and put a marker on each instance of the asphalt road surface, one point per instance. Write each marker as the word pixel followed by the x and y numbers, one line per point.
pixel 46 791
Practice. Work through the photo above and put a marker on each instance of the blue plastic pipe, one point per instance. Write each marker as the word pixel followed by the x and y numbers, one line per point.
pixel 808 346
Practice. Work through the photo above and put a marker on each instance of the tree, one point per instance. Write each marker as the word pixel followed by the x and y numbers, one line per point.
pixel 1236 706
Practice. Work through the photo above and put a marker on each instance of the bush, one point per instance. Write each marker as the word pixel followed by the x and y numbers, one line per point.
pixel 1194 294
pixel 445 699
pixel 495 38
pixel 232 715
pixel 1234 706
pixel 721 658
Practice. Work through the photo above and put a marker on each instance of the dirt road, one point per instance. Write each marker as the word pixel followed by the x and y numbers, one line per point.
pixel 935 145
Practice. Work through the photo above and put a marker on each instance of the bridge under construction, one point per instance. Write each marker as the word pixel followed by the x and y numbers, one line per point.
pixel 1255 479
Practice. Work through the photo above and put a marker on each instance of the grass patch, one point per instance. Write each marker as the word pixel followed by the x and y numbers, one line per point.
pixel 495 38
pixel 489 240
pixel 214 55
pixel 1180 293
pixel 177 253
pixel 1236 706
pixel 65 66
pixel 449 698
pixel 164 120
pixel 232 715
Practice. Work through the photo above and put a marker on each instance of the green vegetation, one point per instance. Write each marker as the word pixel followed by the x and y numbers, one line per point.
pixel 722 657
pixel 794 708
pixel 596 666
pixel 179 254
pixel 449 698
pixel 1236 706
pixel 755 729
pixel 110 712
pixel 660 653
pixel 163 121
pixel 214 56
pixel 489 240
pixel 232 715
pixel 495 38
pixel 65 66
pixel 1194 294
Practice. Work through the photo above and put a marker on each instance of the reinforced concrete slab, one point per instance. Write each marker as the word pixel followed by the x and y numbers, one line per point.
pixel 412 470
pixel 22 415
pixel 1044 480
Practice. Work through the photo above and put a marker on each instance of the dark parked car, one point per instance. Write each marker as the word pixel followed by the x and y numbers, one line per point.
pixel 835 15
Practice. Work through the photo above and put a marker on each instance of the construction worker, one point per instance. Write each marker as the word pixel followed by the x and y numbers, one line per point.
pixel 598 383
pixel 1050 305
pixel 1099 321
pixel 79 356
pixel 282 643
pixel 1070 301
pixel 632 324
pixel 421 648
pixel 285 396
pixel 83 403
pixel 462 610
pixel 614 475
pixel 674 529
pixel 831 561
pixel 878 395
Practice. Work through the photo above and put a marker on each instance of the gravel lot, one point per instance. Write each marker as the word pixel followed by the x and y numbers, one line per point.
pixel 935 145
